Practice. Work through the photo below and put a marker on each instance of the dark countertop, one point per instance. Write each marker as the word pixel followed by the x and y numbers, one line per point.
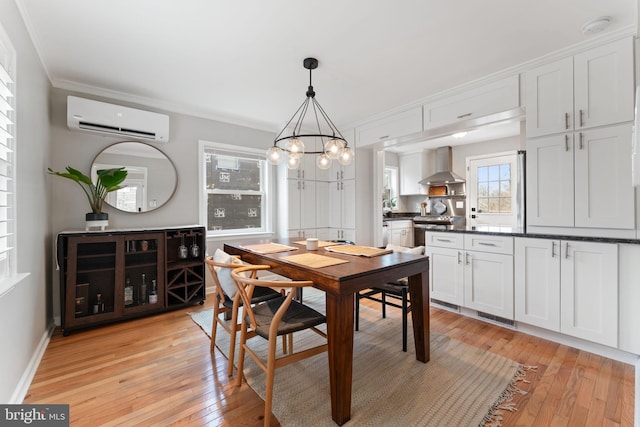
pixel 400 216
pixel 521 232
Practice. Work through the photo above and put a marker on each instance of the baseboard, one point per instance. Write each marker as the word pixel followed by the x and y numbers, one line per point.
pixel 25 381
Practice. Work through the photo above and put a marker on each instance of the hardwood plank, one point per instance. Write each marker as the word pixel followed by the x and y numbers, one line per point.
pixel 159 371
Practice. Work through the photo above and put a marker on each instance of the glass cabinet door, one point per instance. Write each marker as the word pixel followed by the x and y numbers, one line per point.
pixel 143 281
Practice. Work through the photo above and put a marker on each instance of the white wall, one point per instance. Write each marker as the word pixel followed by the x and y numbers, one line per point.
pixel 25 310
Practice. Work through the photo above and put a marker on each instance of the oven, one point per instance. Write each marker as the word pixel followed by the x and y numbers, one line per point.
pixel 434 223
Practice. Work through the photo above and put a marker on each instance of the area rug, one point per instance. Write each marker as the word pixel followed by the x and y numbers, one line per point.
pixel 460 386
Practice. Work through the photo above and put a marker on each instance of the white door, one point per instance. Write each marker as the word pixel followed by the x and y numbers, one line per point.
pixel 604 194
pixel 589 291
pixel 537 282
pixel 550 199
pixel 488 283
pixel 445 274
pixel 492 190
pixel 550 98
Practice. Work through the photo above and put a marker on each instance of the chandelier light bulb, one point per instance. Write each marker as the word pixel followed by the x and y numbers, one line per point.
pixel 323 162
pixel 293 162
pixel 333 148
pixel 274 155
pixel 295 147
pixel 346 156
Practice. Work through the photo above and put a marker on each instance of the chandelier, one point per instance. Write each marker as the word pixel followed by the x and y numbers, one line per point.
pixel 290 146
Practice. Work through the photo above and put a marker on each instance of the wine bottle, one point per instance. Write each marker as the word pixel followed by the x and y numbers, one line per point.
pixel 128 293
pixel 98 307
pixel 153 296
pixel 143 290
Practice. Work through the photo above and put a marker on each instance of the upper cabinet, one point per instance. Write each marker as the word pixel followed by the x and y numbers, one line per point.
pixel 413 168
pixel 390 127
pixel 593 88
pixel 491 98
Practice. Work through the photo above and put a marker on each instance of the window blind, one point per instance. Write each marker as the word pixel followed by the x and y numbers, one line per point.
pixel 7 159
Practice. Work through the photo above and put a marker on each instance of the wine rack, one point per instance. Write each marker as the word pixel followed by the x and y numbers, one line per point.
pixel 107 277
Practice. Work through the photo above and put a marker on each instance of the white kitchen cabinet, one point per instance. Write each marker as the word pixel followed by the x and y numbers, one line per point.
pixel 390 127
pixel 491 98
pixel 488 275
pixel 629 298
pixel 302 204
pixel 581 179
pixel 413 168
pixel 323 204
pixel 342 208
pixel 537 282
pixel 604 194
pixel 400 232
pixel 446 274
pixel 593 88
pixel 589 291
pixel 550 200
pixel 569 287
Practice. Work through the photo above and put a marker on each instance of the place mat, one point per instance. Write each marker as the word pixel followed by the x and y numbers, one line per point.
pixel 321 243
pixel 269 248
pixel 358 250
pixel 313 260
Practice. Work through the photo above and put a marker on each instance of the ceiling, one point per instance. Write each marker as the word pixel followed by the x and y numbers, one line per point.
pixel 241 61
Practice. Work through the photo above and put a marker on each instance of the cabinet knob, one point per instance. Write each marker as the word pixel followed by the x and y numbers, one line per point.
pixel 462 116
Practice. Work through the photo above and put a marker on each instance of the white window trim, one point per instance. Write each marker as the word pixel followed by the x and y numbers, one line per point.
pixel 202 199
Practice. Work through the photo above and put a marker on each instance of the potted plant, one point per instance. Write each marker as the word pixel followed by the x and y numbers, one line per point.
pixel 108 180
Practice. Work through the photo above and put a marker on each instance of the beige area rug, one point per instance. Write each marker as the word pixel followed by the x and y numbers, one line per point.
pixel 460 386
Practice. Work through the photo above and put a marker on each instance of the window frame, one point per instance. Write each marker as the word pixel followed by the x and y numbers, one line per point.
pixel 268 191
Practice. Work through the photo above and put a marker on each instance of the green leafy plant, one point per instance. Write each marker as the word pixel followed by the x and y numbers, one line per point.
pixel 108 180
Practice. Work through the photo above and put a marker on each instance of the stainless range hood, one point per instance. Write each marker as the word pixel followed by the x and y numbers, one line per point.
pixel 444 175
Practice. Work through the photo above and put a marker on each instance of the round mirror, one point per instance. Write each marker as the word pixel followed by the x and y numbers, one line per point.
pixel 151 180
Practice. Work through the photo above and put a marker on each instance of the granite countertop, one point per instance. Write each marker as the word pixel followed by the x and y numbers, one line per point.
pixel 521 232
pixel 400 216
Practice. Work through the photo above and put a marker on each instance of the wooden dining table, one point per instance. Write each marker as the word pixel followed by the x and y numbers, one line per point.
pixel 340 283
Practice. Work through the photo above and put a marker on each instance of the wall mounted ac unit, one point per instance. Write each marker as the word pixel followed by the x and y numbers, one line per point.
pixel 101 117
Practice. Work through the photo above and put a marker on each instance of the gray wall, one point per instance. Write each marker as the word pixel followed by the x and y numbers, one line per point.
pixel 25 310
pixel 78 149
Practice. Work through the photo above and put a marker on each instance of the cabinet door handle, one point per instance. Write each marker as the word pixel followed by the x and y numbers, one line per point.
pixel 566 251
pixel 581 123
pixel 341 174
pixel 467 258
pixel 566 143
pixel 443 240
pixel 298 185
pixel 464 115
pixel 302 173
pixel 581 140
pixel 487 244
pixel 384 137
pixel 337 176
pixel 459 257
pixel 338 186
pixel 553 249
pixel 303 185
pixel 566 120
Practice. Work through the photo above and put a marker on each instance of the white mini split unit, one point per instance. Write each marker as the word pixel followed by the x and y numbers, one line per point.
pixel 101 117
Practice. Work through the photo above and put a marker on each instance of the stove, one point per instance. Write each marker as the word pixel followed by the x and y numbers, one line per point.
pixel 434 222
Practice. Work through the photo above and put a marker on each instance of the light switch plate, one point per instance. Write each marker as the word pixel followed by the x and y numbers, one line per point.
pixel 459 205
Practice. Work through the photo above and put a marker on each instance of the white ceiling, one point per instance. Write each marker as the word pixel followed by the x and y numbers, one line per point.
pixel 241 61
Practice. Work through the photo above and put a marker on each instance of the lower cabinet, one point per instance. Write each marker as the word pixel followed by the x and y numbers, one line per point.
pixel 474 271
pixel 400 233
pixel 568 286
pixel 110 276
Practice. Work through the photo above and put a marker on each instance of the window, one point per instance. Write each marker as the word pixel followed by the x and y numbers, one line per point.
pixel 235 197
pixel 7 160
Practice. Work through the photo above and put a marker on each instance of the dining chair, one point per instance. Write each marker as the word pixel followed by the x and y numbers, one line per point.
pixel 270 319
pixel 228 301
pixel 394 294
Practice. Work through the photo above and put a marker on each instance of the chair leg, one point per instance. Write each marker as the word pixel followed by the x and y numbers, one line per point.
pixel 214 326
pixel 384 304
pixel 243 340
pixel 404 320
pixel 357 311
pixel 232 341
pixel 271 367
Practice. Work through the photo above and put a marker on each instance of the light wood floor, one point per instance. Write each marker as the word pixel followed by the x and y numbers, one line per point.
pixel 158 371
